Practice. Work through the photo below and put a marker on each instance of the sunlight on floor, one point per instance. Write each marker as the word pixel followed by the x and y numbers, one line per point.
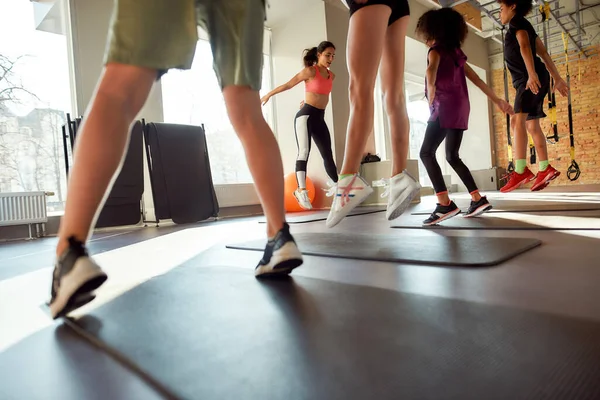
pixel 22 297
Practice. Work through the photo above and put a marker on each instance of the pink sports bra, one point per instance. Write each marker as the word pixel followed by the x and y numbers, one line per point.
pixel 320 85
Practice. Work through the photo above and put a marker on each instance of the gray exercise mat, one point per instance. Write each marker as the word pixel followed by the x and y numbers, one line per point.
pixel 584 221
pixel 218 333
pixel 503 206
pixel 321 215
pixel 431 250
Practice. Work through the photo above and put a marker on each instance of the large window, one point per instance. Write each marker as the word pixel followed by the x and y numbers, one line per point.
pixel 35 94
pixel 193 97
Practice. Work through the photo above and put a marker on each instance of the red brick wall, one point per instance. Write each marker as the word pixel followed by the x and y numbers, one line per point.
pixel 585 99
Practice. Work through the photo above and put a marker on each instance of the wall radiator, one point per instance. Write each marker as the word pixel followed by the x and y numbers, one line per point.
pixel 24 208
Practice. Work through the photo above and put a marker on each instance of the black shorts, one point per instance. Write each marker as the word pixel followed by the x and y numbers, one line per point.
pixel 532 104
pixel 399 8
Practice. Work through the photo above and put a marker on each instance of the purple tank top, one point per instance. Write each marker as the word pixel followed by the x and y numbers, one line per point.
pixel 451 102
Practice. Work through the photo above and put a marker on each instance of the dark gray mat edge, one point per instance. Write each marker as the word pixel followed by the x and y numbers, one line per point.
pixel 303 219
pixel 493 228
pixel 534 243
pixel 523 210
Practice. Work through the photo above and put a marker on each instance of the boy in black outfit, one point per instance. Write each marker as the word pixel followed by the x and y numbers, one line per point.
pixel 532 81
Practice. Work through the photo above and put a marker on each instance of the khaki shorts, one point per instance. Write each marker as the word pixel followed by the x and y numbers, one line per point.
pixel 162 34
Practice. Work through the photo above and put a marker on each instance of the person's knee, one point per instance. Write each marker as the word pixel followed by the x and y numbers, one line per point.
pixel 126 86
pixel 533 127
pixel 394 101
pixel 453 158
pixel 426 155
pixel 361 94
pixel 243 108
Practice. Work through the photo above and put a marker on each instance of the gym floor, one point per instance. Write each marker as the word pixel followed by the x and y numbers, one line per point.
pixel 558 279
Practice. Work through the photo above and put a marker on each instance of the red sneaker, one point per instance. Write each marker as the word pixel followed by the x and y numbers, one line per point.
pixel 517 180
pixel 543 178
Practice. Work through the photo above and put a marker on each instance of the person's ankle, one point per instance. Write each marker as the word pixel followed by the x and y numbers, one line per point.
pixel 63 244
pixel 273 230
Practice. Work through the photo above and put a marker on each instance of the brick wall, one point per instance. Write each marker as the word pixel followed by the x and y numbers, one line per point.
pixel 585 99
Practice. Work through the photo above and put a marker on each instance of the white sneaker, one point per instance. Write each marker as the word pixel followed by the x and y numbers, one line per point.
pixel 401 189
pixel 302 196
pixel 350 192
pixel 331 188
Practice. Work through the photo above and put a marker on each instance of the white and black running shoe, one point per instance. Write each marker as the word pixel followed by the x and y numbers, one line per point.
pixel 442 213
pixel 74 279
pixel 281 255
pixel 478 207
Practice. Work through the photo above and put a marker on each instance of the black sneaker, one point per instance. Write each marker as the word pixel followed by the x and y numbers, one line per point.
pixel 478 207
pixel 442 213
pixel 74 279
pixel 281 255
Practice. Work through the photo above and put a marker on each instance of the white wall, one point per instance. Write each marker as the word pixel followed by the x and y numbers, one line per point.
pixel 89 26
pixel 337 32
pixel 304 30
pixel 475 149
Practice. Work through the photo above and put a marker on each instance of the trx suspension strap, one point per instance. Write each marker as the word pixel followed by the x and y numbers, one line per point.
pixel 511 165
pixel 573 171
pixel 553 138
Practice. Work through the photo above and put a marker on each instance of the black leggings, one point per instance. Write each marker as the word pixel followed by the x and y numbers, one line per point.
pixel 434 135
pixel 310 124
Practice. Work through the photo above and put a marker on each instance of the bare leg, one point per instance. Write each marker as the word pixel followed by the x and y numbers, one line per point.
pixel 262 152
pixel 100 148
pixel 366 36
pixel 392 82
pixel 520 136
pixel 539 139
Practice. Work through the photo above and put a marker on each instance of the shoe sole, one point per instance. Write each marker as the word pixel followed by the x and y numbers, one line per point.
pixel 404 204
pixel 545 183
pixel 76 287
pixel 283 263
pixel 524 182
pixel 444 218
pixel 480 210
pixel 300 203
pixel 347 209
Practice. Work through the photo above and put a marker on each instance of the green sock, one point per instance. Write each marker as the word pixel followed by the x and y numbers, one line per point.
pixel 520 166
pixel 342 176
pixel 543 165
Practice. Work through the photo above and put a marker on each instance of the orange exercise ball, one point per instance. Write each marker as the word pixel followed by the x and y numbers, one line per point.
pixel 291 184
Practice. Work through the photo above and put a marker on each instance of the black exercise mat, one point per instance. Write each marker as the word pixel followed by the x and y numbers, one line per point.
pixel 434 250
pixel 180 173
pixel 218 333
pixel 321 215
pixel 67 367
pixel 503 206
pixel 123 205
pixel 489 222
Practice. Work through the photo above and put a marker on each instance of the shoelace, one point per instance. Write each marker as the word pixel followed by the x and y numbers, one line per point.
pixel 332 188
pixel 345 195
pixel 385 182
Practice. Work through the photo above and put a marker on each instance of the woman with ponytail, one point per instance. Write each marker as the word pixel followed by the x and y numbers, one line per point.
pixel 310 120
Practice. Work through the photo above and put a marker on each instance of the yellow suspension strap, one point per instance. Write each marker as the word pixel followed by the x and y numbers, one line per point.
pixel 553 138
pixel 573 171
pixel 532 154
pixel 511 165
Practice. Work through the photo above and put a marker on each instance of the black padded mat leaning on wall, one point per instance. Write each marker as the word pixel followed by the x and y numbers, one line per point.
pixel 123 205
pixel 180 173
